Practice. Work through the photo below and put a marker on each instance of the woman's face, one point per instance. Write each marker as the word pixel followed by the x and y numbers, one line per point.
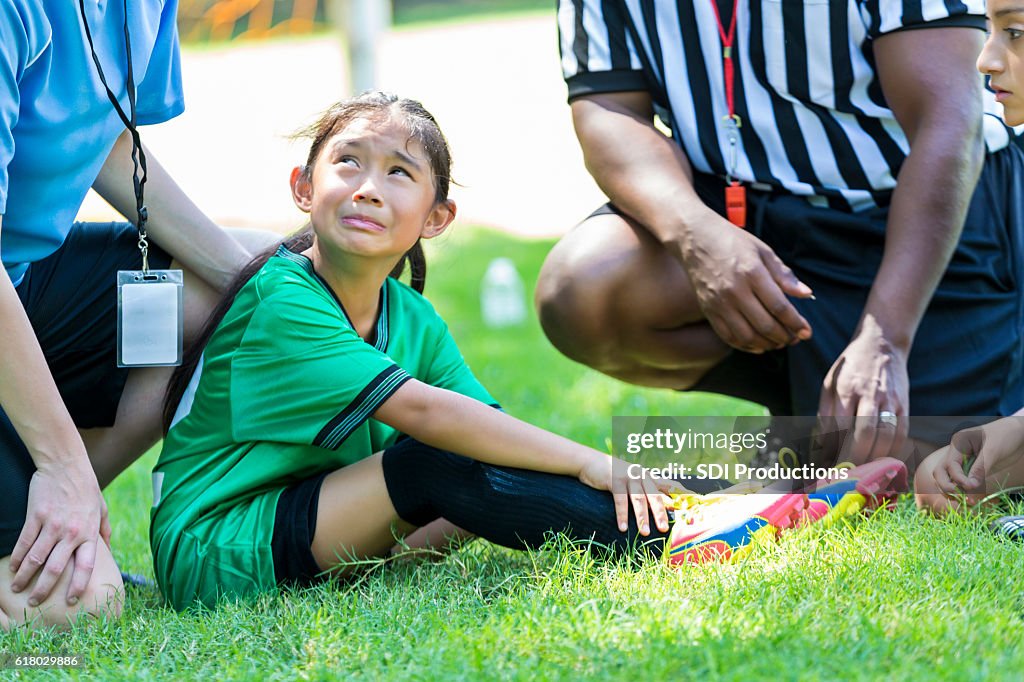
pixel 1002 58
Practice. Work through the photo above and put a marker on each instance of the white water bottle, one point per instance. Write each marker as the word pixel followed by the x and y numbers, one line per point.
pixel 502 295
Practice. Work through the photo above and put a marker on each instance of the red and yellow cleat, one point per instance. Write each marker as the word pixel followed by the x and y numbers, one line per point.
pixel 725 526
pixel 866 487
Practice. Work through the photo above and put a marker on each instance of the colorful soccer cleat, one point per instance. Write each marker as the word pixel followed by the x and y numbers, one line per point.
pixel 725 526
pixel 866 487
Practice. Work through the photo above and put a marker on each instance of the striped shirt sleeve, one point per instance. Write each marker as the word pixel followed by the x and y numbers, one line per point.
pixel 597 49
pixel 888 16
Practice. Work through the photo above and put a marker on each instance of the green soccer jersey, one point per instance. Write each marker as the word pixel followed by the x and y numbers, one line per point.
pixel 284 391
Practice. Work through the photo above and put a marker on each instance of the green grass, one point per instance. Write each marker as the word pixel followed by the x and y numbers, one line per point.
pixel 895 595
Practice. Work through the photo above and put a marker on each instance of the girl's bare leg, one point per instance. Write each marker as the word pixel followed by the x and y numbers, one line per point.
pixel 355 518
pixel 437 537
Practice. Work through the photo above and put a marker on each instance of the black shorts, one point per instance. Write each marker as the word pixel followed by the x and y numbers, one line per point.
pixel 967 354
pixel 294 524
pixel 71 300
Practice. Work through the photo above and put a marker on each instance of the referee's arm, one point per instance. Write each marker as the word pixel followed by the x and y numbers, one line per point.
pixel 642 171
pixel 930 83
pixel 739 282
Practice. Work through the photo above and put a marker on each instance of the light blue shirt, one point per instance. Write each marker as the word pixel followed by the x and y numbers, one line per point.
pixel 56 123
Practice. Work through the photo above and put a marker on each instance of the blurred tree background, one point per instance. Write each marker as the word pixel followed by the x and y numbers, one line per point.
pixel 202 21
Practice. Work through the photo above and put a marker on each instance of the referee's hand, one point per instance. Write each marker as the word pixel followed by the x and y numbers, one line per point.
pixel 869 379
pixel 741 287
pixel 65 519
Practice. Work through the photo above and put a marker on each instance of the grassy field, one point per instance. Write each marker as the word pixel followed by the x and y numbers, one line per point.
pixel 896 594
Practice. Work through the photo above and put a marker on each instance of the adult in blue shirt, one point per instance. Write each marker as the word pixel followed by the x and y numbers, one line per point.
pixel 62 396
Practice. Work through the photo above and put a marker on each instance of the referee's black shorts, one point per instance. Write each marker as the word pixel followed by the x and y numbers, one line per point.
pixel 71 301
pixel 967 354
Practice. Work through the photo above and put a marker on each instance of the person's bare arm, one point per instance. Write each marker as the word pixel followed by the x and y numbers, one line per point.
pixel 175 222
pixel 929 80
pixel 66 514
pixel 451 421
pixel 740 283
pixel 642 171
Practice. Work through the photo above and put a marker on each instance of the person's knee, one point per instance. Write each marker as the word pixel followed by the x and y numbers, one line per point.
pixel 103 597
pixel 580 291
pixel 601 299
pixel 573 301
pixel 422 460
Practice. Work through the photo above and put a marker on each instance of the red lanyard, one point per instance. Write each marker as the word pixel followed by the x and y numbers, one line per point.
pixel 735 192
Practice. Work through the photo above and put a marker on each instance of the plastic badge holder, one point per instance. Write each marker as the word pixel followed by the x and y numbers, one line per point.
pixel 150 318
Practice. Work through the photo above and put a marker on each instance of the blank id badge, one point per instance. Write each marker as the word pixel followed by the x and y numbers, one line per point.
pixel 150 318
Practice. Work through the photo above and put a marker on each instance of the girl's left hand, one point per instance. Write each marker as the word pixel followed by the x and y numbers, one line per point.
pixel 994 451
pixel 630 484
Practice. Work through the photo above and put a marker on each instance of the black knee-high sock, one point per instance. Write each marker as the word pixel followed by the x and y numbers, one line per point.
pixel 512 507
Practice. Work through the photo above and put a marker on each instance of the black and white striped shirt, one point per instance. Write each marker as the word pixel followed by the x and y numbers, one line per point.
pixel 814 120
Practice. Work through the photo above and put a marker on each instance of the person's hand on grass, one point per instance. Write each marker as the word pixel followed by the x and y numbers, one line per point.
pixel 741 287
pixel 991 454
pixel 868 379
pixel 630 485
pixel 65 519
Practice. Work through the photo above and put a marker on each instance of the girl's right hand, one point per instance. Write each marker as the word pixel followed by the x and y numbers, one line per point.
pixel 630 483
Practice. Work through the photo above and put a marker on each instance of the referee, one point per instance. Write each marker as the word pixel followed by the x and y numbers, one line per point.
pixel 877 271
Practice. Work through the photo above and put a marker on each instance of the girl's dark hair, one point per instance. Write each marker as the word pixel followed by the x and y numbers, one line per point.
pixel 372 105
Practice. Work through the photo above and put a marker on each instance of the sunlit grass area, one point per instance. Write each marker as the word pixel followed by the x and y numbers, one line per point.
pixel 896 595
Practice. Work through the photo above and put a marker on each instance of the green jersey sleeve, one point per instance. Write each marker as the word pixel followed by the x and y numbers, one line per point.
pixel 301 374
pixel 448 369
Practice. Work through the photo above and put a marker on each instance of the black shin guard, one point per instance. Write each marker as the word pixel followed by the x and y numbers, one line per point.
pixel 516 508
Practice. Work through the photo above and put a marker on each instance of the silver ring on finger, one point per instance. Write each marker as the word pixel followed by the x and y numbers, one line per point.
pixel 887 418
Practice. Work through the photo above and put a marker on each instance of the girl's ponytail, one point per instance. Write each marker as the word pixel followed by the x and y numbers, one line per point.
pixel 417 267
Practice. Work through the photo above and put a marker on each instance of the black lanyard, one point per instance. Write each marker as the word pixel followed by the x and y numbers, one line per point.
pixel 138 155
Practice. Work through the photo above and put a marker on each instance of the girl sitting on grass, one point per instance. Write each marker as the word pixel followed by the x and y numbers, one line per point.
pixel 321 408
